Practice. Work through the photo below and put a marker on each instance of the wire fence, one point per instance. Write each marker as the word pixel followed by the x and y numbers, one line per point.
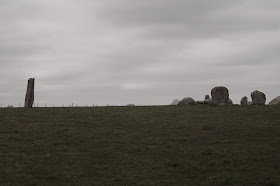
pixel 44 105
pixel 41 105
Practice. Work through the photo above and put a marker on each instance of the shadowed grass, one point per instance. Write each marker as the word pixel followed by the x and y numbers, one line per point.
pixel 165 145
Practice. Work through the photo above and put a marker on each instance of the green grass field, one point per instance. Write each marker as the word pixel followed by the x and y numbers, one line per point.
pixel 164 145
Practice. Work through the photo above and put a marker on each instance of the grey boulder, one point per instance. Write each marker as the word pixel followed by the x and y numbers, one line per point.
pixel 275 101
pixel 187 101
pixel 244 101
pixel 220 95
pixel 258 98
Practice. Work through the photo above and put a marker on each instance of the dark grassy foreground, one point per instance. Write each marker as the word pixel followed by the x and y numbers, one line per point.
pixel 171 145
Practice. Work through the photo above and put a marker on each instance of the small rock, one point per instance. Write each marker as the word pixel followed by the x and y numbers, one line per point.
pixel 207 97
pixel 244 101
pixel 230 102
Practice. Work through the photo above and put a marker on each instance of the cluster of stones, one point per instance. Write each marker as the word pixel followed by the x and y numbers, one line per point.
pixel 258 98
pixel 220 97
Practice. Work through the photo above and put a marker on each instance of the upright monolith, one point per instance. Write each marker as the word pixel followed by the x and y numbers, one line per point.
pixel 29 97
pixel 220 96
pixel 244 101
pixel 258 98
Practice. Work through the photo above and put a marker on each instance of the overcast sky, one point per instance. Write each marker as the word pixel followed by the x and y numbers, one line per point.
pixel 137 51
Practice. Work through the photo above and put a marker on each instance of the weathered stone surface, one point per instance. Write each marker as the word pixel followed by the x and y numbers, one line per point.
pixel 244 101
pixel 220 95
pixel 211 102
pixel 29 97
pixel 275 101
pixel 187 101
pixel 258 98
pixel 214 103
pixel 207 97
pixel 230 102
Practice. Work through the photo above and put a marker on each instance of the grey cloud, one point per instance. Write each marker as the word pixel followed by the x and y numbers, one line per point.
pixel 142 52
pixel 188 19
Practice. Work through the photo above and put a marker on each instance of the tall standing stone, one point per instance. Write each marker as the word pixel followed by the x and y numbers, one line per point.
pixel 258 98
pixel 244 101
pixel 29 97
pixel 220 95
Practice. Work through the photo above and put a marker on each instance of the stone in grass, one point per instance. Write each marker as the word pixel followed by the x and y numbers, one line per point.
pixel 230 102
pixel 258 98
pixel 244 101
pixel 275 101
pixel 29 97
pixel 187 101
pixel 220 96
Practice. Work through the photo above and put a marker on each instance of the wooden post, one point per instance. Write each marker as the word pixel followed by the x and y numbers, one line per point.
pixel 29 97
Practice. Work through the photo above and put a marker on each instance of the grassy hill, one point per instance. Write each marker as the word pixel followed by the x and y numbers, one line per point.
pixel 164 145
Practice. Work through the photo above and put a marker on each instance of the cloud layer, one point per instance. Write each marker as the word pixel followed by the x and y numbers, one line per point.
pixel 142 52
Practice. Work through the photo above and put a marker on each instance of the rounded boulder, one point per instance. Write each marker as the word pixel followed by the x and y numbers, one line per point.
pixel 187 101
